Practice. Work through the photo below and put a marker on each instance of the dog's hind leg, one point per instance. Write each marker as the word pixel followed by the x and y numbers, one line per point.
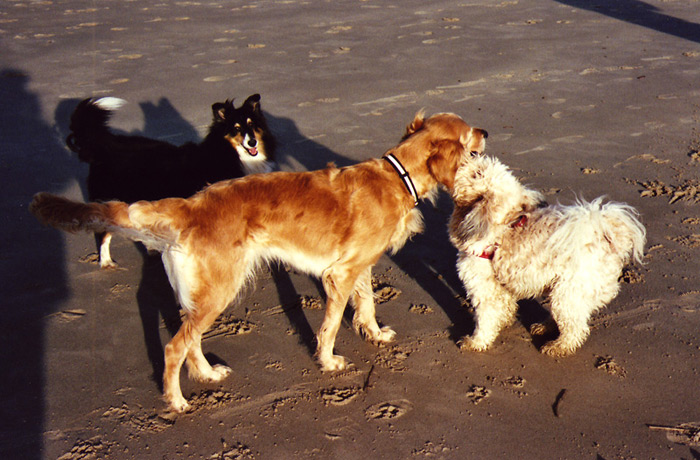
pixel 571 310
pixel 186 346
pixel 198 367
pixel 365 322
pixel 338 281
pixel 494 306
pixel 175 353
pixel 203 306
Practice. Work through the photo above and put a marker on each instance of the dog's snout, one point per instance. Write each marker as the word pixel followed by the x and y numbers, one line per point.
pixel 485 133
pixel 252 142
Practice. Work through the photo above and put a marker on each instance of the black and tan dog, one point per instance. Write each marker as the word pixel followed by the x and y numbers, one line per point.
pixel 130 168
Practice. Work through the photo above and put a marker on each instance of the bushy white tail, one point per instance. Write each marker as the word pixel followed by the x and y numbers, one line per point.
pixel 617 223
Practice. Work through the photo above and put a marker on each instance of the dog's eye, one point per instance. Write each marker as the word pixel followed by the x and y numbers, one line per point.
pixel 474 153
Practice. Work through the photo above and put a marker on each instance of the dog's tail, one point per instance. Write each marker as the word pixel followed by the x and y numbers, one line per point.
pixel 88 125
pixel 143 221
pixel 624 231
pixel 616 223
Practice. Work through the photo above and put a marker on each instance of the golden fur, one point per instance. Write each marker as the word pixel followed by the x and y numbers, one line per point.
pixel 334 223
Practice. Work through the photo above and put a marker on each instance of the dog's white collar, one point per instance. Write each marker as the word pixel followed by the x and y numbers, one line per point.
pixel 403 174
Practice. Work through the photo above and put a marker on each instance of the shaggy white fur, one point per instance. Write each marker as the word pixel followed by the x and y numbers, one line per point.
pixel 513 246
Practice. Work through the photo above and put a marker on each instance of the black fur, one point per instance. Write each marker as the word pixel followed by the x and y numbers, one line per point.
pixel 131 168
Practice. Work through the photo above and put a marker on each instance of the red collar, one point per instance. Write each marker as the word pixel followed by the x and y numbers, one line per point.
pixel 522 220
pixel 491 250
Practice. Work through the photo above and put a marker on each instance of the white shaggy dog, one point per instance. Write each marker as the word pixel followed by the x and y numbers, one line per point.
pixel 513 246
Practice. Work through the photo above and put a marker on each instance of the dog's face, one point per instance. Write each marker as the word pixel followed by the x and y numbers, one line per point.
pixel 448 141
pixel 244 127
pixel 486 188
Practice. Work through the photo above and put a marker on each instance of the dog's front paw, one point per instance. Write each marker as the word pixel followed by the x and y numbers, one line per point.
pixel 379 336
pixel 469 344
pixel 177 403
pixel 386 335
pixel 108 264
pixel 333 363
pixel 218 373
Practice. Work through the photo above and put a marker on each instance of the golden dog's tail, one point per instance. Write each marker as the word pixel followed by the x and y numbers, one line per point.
pixel 140 221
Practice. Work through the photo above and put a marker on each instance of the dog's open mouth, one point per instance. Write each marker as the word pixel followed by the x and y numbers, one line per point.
pixel 252 151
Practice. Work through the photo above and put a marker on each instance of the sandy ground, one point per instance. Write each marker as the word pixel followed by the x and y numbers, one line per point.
pixel 579 97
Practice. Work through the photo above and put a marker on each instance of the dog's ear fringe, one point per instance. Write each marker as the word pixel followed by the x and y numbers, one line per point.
pixel 416 124
pixel 220 108
pixel 444 160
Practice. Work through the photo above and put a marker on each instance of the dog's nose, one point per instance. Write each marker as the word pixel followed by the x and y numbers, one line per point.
pixel 252 142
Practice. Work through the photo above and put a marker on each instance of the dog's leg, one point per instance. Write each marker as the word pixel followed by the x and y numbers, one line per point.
pixel 365 322
pixel 175 352
pixel 573 303
pixel 338 282
pixel 198 367
pixel 187 343
pixel 494 306
pixel 203 305
pixel 570 311
pixel 103 241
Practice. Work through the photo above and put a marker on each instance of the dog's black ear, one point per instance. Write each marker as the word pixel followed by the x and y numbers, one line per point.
pixel 253 102
pixel 219 109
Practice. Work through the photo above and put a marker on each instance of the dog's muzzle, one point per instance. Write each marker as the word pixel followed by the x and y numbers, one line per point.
pixel 250 146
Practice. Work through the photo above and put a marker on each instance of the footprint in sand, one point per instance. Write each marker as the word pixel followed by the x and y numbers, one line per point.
pixel 392 358
pixel 339 396
pixel 234 451
pixel 94 447
pixel 388 410
pixel 631 276
pixel 228 325
pixel 420 309
pixel 212 399
pixel 608 364
pixel 477 393
pixel 153 423
pixel 384 293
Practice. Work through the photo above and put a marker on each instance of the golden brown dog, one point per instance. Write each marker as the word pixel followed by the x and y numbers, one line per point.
pixel 334 223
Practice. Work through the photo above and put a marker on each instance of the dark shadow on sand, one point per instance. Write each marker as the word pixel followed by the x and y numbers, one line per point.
pixel 32 267
pixel 642 14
